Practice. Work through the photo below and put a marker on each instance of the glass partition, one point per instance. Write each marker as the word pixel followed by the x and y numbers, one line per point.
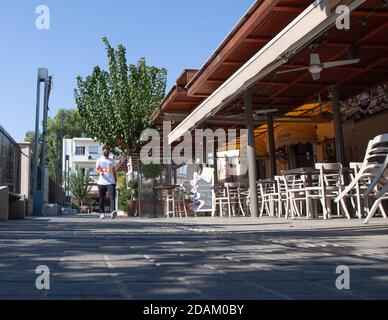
pixel 10 155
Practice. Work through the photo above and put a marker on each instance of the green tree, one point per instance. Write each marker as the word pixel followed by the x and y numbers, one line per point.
pixel 79 186
pixel 66 121
pixel 30 137
pixel 70 124
pixel 116 105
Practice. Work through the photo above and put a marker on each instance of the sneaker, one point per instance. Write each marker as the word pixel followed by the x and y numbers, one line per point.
pixel 102 216
pixel 114 214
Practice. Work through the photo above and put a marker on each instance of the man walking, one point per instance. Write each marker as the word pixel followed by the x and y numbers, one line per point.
pixel 106 183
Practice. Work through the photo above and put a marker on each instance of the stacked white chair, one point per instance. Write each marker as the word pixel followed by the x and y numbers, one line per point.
pixel 379 185
pixel 269 197
pixel 358 190
pixel 282 199
pixel 233 191
pixel 374 171
pixel 221 199
pixel 295 187
pixel 329 186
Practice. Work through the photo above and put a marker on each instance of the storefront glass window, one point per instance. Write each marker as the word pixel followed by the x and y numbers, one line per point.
pixel 9 162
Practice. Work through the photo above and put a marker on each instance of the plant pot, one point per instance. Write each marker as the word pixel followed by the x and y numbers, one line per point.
pixel 132 208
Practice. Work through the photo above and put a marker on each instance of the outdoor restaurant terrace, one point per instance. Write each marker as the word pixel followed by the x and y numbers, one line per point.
pixel 313 97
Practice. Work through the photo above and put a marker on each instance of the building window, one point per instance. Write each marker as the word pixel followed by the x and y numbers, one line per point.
pixel 80 151
pixel 93 150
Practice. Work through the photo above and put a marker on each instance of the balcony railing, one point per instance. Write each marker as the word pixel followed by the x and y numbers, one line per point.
pixel 86 158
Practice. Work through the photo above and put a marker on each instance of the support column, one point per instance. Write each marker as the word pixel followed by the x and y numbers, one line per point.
pixel 215 159
pixel 251 154
pixel 337 121
pixel 36 187
pixel 44 135
pixel 271 140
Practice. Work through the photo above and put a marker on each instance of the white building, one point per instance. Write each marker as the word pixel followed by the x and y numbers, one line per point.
pixel 82 155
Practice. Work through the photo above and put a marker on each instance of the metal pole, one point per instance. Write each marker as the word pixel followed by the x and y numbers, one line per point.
pixel 36 189
pixel 251 150
pixel 61 174
pixel 58 177
pixel 44 134
pixel 337 121
pixel 271 140
pixel 64 182
pixel 66 174
pixel 68 182
pixel 36 146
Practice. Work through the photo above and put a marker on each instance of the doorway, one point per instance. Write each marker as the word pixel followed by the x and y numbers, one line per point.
pixel 303 155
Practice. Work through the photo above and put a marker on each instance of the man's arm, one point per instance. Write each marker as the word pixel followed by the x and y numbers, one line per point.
pixel 114 170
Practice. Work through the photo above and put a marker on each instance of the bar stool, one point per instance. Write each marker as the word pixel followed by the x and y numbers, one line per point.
pixel 169 200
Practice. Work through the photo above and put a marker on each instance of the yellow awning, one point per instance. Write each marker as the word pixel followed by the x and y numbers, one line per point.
pixel 240 143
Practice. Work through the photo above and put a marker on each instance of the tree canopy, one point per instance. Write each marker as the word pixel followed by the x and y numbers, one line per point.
pixel 116 105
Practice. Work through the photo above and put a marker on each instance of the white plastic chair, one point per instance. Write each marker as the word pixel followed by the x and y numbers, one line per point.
pixel 221 199
pixel 382 195
pixel 358 189
pixel 233 192
pixel 282 199
pixel 329 186
pixel 295 194
pixel 372 167
pixel 380 188
pixel 269 197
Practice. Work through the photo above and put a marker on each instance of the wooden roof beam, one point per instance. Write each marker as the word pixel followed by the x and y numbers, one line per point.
pixel 335 56
pixel 232 63
pixel 289 9
pixel 257 39
pixel 253 21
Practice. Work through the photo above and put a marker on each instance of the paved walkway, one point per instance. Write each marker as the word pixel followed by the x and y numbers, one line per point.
pixel 192 259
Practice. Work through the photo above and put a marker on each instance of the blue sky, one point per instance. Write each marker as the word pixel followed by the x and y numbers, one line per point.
pixel 175 34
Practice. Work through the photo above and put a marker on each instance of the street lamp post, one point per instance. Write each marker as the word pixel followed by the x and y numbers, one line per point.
pixel 59 172
pixel 67 159
pixel 38 186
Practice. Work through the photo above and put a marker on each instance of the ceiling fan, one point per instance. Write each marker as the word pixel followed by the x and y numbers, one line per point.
pixel 316 66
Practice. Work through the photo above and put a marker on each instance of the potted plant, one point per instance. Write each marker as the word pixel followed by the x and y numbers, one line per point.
pixel 151 171
pixel 88 205
pixel 132 201
pixel 79 187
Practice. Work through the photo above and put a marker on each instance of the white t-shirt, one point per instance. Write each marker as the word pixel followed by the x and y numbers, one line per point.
pixel 107 166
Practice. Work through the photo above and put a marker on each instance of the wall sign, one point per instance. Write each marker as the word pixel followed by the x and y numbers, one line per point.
pixel 365 104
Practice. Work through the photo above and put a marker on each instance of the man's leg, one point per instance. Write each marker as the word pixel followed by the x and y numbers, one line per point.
pixel 112 198
pixel 102 194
